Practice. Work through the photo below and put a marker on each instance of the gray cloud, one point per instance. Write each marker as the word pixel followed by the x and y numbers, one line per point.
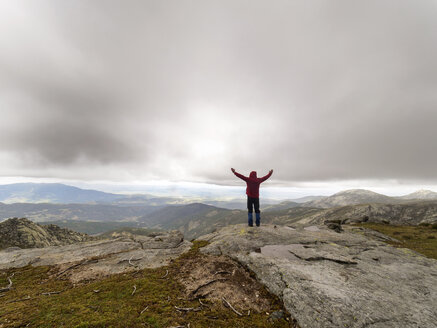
pixel 183 90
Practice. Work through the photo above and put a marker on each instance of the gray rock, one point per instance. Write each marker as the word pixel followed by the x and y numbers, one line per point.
pixel 327 279
pixel 334 225
pixel 101 258
pixel 24 233
pixel 312 228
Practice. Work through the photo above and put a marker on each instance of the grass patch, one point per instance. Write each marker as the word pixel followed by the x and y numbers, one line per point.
pixel 110 303
pixel 421 238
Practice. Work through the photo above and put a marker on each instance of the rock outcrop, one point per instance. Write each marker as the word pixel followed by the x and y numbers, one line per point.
pixel 330 279
pixel 92 260
pixel 24 233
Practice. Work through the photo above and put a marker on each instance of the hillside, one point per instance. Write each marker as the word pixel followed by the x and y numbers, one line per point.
pixel 86 212
pixel 411 213
pixel 24 233
pixel 197 219
pixel 282 206
pixel 192 219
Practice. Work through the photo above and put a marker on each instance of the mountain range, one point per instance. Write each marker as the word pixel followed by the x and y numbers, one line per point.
pixel 355 197
pixel 52 193
pixel 59 193
pixel 104 211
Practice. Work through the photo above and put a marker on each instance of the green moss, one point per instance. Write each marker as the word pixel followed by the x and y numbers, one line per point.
pixel 421 239
pixel 109 302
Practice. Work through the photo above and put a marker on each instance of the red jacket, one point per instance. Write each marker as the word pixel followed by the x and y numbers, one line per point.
pixel 253 183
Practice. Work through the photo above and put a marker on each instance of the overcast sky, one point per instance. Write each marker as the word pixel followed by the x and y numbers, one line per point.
pixel 123 91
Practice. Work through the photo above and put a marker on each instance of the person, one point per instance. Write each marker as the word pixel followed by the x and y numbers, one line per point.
pixel 252 192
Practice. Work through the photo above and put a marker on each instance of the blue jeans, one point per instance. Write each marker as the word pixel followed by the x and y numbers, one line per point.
pixel 257 219
pixel 251 203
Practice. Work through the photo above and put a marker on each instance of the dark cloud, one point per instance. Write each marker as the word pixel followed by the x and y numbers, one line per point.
pixel 338 90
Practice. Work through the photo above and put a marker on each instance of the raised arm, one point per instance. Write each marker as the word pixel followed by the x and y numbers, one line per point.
pixel 242 177
pixel 264 178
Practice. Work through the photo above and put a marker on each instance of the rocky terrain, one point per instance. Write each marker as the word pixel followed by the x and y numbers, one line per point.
pixel 158 280
pixel 329 279
pixel 411 213
pixel 324 278
pixel 194 219
pixel 24 233
pixel 96 259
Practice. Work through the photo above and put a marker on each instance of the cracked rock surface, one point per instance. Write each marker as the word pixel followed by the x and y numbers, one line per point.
pixel 330 279
pixel 91 260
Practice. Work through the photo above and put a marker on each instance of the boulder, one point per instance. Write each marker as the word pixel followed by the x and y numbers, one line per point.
pixel 330 279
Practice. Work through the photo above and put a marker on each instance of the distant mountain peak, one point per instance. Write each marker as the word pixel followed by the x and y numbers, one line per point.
pixel 421 194
pixel 424 191
pixel 357 191
pixel 350 197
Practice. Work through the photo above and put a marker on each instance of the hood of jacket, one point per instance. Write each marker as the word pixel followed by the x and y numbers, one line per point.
pixel 252 174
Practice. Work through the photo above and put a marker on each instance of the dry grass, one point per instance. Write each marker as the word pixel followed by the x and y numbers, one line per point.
pixel 422 238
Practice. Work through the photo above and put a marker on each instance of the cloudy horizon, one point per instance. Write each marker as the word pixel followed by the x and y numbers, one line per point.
pixel 330 95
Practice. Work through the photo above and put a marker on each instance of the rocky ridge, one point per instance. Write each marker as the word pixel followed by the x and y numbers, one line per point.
pixel 24 233
pixel 411 213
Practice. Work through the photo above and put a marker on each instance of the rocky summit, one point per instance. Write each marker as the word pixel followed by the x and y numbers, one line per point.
pixel 23 233
pixel 324 278
pixel 330 279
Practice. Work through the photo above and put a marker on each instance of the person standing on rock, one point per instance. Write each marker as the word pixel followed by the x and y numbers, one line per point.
pixel 252 192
